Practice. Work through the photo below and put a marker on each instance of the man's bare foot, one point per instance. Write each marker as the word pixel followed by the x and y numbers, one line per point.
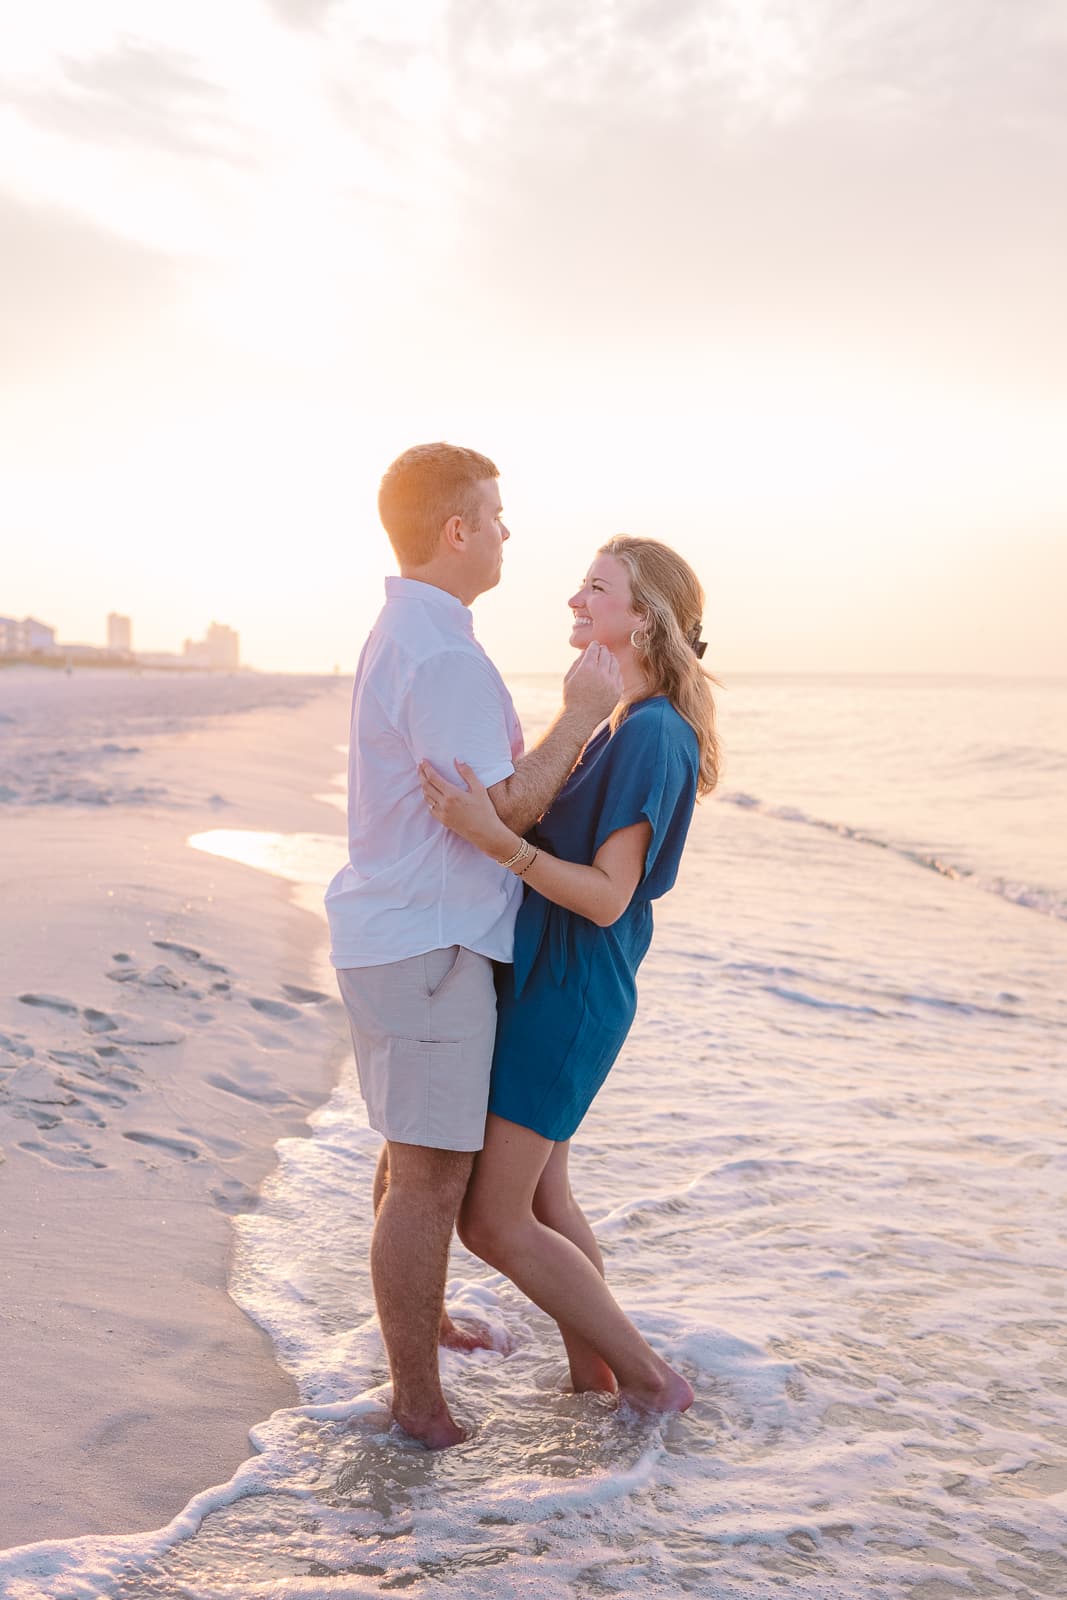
pixel 437 1431
pixel 470 1334
pixel 670 1392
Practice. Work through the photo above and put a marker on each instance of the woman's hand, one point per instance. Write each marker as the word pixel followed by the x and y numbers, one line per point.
pixel 468 812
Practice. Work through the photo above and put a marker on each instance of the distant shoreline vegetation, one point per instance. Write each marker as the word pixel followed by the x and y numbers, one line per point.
pixel 60 661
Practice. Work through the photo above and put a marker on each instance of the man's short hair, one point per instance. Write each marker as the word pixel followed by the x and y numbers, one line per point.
pixel 423 488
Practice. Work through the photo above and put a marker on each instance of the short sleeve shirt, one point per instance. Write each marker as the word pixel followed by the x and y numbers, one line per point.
pixel 424 689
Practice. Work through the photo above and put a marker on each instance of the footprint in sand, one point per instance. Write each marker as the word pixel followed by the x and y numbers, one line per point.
pixel 116 1429
pixel 146 1031
pixel 304 997
pixel 111 1070
pixel 260 1096
pixel 157 977
pixel 79 1059
pixel 94 1021
pixel 274 1008
pixel 233 1196
pixel 122 974
pixel 33 1083
pixel 84 1113
pixel 51 1002
pixel 44 1120
pixel 187 953
pixel 217 1143
pixel 17 1046
pixel 175 1148
pixel 58 1156
pixel 104 1097
pixel 162 977
pixel 114 1057
pixel 125 1029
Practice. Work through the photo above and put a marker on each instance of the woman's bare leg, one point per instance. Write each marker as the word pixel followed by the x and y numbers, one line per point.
pixel 497 1222
pixel 555 1206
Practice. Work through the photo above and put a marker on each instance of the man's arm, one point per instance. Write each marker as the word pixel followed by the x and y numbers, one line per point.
pixel 591 691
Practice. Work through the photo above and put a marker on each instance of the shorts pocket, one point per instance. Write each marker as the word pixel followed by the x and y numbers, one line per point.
pixel 439 967
pixel 413 1091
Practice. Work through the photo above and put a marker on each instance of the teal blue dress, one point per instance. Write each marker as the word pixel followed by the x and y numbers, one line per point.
pixel 565 1006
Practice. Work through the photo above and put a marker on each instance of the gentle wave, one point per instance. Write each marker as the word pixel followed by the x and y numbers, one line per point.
pixel 1032 897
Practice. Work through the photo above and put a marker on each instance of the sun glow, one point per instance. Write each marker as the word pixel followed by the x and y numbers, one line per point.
pixel 253 260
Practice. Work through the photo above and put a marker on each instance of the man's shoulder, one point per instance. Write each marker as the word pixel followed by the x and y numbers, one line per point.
pixel 428 664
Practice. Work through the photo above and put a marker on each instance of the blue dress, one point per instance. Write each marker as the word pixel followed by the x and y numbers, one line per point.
pixel 566 1005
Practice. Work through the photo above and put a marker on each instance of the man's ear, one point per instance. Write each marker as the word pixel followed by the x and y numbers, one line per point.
pixel 454 533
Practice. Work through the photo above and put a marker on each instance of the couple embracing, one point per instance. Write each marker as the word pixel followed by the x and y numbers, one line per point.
pixel 492 914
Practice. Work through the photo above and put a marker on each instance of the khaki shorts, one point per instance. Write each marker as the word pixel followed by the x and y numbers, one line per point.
pixel 423 1032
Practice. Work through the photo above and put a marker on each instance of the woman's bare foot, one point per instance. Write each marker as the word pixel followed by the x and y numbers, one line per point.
pixel 670 1392
pixel 437 1431
pixel 592 1377
pixel 467 1335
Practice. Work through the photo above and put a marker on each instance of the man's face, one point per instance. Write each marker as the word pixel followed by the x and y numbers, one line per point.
pixel 486 534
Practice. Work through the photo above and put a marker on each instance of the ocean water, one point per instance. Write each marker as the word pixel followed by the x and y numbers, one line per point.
pixel 75 739
pixel 829 1178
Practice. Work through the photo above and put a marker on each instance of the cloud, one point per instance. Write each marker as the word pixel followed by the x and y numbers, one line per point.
pixel 72 291
pixel 880 174
pixel 135 94
pixel 303 13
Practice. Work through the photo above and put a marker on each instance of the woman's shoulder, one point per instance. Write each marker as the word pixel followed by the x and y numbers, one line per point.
pixel 655 722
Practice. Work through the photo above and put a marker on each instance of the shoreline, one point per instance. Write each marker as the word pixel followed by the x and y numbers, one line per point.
pixel 162 1025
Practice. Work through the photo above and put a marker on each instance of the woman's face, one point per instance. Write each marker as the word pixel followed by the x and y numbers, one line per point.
pixel 603 607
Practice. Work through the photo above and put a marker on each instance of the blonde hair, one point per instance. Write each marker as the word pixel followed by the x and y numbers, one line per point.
pixel 667 592
pixel 423 488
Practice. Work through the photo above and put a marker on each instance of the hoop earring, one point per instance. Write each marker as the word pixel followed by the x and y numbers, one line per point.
pixel 636 641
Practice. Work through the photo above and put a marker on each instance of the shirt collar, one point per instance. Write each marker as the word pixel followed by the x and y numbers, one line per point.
pixel 433 598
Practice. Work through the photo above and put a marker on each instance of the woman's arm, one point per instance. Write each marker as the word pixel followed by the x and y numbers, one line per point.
pixel 600 892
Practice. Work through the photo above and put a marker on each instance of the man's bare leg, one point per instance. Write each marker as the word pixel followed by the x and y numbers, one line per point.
pixel 381 1178
pixel 555 1206
pixel 409 1266
pixel 471 1334
pixel 498 1223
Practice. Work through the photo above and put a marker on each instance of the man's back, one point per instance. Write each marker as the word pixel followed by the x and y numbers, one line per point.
pixel 424 688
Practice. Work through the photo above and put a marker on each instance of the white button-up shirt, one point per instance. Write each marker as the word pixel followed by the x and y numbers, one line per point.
pixel 424 689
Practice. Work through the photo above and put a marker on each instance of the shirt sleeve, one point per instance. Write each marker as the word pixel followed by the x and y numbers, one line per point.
pixel 456 709
pixel 652 779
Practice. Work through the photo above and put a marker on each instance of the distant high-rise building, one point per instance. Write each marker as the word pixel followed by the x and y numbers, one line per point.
pixel 219 649
pixel 20 637
pixel 119 633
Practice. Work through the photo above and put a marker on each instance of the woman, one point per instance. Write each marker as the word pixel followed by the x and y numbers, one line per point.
pixel 608 846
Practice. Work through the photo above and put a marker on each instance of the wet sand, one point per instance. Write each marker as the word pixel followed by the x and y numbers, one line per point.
pixel 165 1016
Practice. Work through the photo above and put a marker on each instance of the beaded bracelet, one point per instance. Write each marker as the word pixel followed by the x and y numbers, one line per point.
pixel 520 872
pixel 520 852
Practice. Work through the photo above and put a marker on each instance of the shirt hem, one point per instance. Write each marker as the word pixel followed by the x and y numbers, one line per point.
pixel 420 950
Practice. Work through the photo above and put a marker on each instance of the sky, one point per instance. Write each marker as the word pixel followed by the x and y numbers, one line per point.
pixel 780 283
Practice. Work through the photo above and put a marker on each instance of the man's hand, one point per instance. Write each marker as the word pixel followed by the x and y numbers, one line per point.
pixel 593 686
pixel 591 691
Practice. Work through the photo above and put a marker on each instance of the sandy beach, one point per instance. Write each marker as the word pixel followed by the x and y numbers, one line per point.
pixel 827 1175
pixel 164 1018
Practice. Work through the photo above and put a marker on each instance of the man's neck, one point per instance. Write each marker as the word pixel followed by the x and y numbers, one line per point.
pixel 439 577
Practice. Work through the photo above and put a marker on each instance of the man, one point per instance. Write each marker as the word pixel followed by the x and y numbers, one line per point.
pixel 417 916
